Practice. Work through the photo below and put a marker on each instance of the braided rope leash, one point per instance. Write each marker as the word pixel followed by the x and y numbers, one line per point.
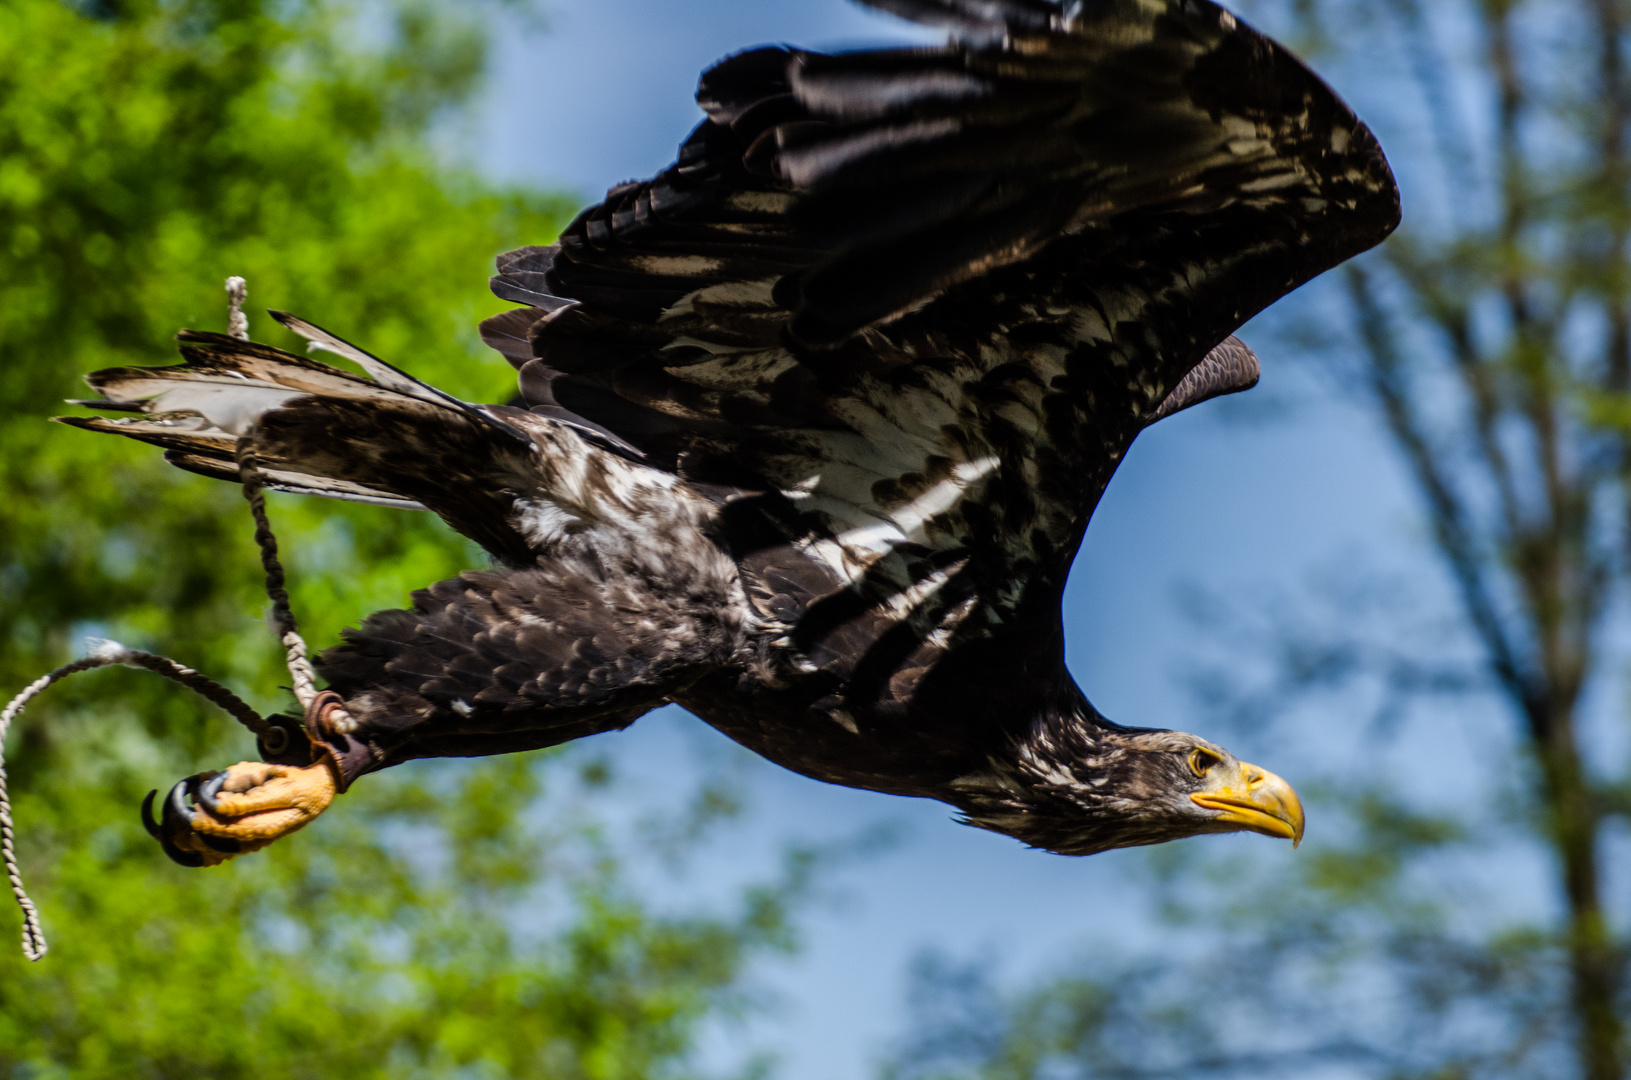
pixel 237 321
pixel 106 653
pixel 102 654
pixel 302 676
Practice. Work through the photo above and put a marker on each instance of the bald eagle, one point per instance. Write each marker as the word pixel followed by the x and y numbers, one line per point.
pixel 810 425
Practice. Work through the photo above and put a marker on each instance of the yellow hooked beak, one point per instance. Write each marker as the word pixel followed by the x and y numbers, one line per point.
pixel 1254 799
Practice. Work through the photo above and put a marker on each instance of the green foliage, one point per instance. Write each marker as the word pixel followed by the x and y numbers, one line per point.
pixel 338 955
pixel 148 149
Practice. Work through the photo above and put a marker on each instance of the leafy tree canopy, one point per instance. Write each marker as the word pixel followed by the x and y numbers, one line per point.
pixel 148 149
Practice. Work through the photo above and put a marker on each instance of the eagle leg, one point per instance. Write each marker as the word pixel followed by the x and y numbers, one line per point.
pixel 210 817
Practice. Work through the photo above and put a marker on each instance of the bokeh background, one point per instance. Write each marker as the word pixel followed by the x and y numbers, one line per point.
pixel 1393 573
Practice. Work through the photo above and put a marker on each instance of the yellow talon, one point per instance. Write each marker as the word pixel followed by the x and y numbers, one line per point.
pixel 240 810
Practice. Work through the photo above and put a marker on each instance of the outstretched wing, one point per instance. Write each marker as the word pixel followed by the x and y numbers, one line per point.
pixel 930 296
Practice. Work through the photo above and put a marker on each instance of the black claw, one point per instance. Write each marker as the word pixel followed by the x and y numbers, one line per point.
pixel 224 844
pixel 175 804
pixel 166 841
pixel 191 859
pixel 208 790
pixel 148 823
pixel 176 817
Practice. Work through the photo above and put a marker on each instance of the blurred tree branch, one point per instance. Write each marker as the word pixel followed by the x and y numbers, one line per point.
pixel 1548 254
pixel 1492 343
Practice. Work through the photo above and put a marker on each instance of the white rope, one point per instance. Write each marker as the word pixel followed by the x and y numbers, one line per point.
pixel 34 946
pixel 237 321
pixel 102 654
pixel 301 673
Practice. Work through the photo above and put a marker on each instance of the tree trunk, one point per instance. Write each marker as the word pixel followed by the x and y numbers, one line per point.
pixel 1594 957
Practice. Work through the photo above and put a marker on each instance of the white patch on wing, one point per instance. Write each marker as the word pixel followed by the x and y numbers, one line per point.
pixel 944 495
pixel 900 605
pixel 542 522
pixel 867 531
pixel 231 407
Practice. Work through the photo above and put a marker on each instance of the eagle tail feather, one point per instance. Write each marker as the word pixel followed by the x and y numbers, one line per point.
pixel 292 482
pixel 197 411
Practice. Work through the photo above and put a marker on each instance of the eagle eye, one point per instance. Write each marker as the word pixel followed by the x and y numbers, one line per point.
pixel 1201 760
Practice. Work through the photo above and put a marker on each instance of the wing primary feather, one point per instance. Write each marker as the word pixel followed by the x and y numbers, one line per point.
pixel 390 376
pixel 507 333
pixel 381 372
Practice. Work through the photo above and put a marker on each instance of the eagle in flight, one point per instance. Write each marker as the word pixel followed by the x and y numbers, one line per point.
pixel 810 425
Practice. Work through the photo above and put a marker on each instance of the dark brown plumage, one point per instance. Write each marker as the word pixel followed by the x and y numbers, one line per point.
pixel 812 423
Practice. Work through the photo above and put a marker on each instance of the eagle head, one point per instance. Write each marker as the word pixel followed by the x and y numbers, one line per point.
pixel 1077 784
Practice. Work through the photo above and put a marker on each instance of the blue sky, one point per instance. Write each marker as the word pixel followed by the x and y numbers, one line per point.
pixel 1236 497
